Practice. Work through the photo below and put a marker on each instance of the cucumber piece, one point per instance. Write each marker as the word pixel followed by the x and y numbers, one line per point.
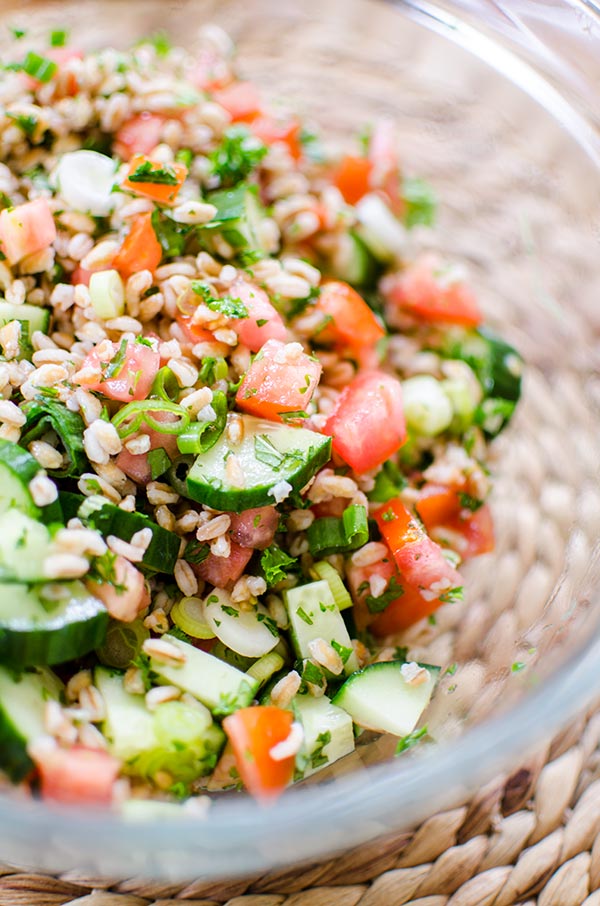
pixel 384 235
pixel 273 458
pixel 328 733
pixel 177 737
pixel 24 546
pixel 17 469
pixel 162 552
pixel 378 697
pixel 216 684
pixel 353 262
pixel 22 706
pixel 250 633
pixel 313 615
pixel 239 213
pixel 30 317
pixel 36 630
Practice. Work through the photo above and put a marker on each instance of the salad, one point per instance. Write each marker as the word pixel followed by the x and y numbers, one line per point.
pixel 244 424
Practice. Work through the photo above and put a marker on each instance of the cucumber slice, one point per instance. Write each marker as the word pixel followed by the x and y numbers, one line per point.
pixel 272 457
pixel 313 615
pixel 328 733
pixel 30 317
pixel 24 546
pixel 216 684
pixel 378 697
pixel 35 630
pixel 238 217
pixel 17 469
pixel 108 519
pixel 250 633
pixel 353 262
pixel 384 235
pixel 22 705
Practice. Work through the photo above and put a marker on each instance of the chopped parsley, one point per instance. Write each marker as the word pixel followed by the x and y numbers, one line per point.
pixel 274 563
pixel 379 603
pixel 114 367
pixel 149 173
pixel 517 666
pixel 317 757
pixel 26 122
pixel 452 595
pixel 196 551
pixel 388 484
pixel 236 157
pixel 143 664
pixel 18 33
pixel 160 41
pixel 266 452
pixel 468 502
pixel 269 623
pixel 102 571
pixel 230 611
pixel 227 306
pixel 420 202
pixel 343 651
pixel 407 742
pixel 306 618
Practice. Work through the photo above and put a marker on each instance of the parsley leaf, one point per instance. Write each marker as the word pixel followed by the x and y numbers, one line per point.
pixel 236 157
pixel 421 202
pixel 452 595
pixel 407 742
pixel 196 551
pixel 227 305
pixel 275 563
pixel 26 122
pixel 149 173
pixel 317 757
pixel 468 502
pixel 378 604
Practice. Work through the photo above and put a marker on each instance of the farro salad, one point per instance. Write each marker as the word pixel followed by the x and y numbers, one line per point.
pixel 243 429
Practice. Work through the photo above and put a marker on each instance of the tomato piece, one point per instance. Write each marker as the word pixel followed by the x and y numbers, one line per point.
pixel 280 379
pixel 139 135
pixel 404 611
pixel 192 333
pixel 353 177
pixel 436 504
pixel 420 560
pixel 263 322
pixel 255 528
pixel 26 229
pixel 241 100
pixel 470 533
pixel 253 732
pixel 428 295
pixel 77 776
pixel 127 596
pixel 220 571
pixel 270 131
pixel 367 424
pixel 163 194
pixel 141 249
pixel 353 323
pixel 135 466
pixel 134 371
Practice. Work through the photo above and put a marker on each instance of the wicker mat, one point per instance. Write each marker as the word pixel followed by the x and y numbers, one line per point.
pixel 529 837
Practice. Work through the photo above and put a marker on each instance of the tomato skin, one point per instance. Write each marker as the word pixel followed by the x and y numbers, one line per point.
pixel 353 177
pixel 251 333
pixel 419 292
pixel 241 100
pixel 252 733
pixel 133 380
pixel 273 385
pixel 469 533
pixel 141 250
pixel 77 776
pixel 353 324
pixel 220 571
pixel 164 194
pixel 26 229
pixel 254 528
pixel 270 131
pixel 139 135
pixel 367 424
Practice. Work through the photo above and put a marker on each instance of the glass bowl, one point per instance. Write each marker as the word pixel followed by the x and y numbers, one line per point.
pixel 494 106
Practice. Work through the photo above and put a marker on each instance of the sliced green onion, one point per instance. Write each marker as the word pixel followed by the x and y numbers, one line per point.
pixel 59 37
pixel 264 668
pixel 213 369
pixel 129 419
pixel 341 595
pixel 335 536
pixel 188 614
pixel 165 385
pixel 107 294
pixel 49 415
pixel 199 437
pixel 38 67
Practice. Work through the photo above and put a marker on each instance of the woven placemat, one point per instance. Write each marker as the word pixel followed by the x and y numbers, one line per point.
pixel 530 837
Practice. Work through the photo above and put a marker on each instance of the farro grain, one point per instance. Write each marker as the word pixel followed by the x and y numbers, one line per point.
pixel 43 490
pixel 373 552
pixel 164 651
pixel 214 528
pixel 221 547
pixel 160 493
pixel 185 578
pixel 64 566
pixel 161 694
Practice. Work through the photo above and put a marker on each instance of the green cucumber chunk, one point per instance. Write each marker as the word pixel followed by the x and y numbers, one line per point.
pixel 17 469
pixel 36 630
pixel 30 317
pixel 219 686
pixel 162 552
pixel 328 733
pixel 24 544
pixel 273 458
pixel 380 697
pixel 22 705
pixel 314 615
pixel 238 217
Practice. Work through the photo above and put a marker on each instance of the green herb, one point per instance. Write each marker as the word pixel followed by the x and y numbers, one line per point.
pixel 26 122
pixel 39 67
pixel 364 138
pixel 248 257
pixel 304 616
pixel 114 367
pixel 185 156
pixel 180 790
pixel 388 515
pixel 171 235
pixel 432 619
pixel 312 146
pixel 401 653
pixel 290 416
pixel 143 664
pixel 59 37
pixel 379 604
pixel 148 173
pixel 18 33
pixel 274 563
pixel 178 633
pixel 103 571
pixel 236 157
pixel 451 670
pixel 388 484
pixel 269 623
pixel 261 322
pixel 420 202
pixel 470 503
pixel 312 673
pixel 266 452
pixel 160 41
pixel 230 611
pixel 227 306
pixel 407 742
pixel 318 758
pixel 299 306
pixel 159 462
pixel 342 650
pixel 196 551
pixel 452 595
pixel 517 666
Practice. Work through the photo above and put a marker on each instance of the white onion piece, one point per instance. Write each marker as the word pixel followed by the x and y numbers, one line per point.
pixel 379 229
pixel 240 630
pixel 85 180
pixel 107 294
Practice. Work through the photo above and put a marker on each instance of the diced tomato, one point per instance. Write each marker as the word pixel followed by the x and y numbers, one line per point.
pixel 253 732
pixel 141 250
pixel 241 100
pixel 127 596
pixel 358 582
pixel 352 322
pixel 254 528
pixel 353 177
pixel 367 424
pixel 132 379
pixel 424 292
pixel 450 522
pixel 220 571
pixel 139 135
pixel 159 192
pixel 420 560
pixel 26 229
pixel 135 466
pixel 192 333
pixel 81 275
pixel 270 131
pixel 77 776
pixel 263 322
pixel 274 384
